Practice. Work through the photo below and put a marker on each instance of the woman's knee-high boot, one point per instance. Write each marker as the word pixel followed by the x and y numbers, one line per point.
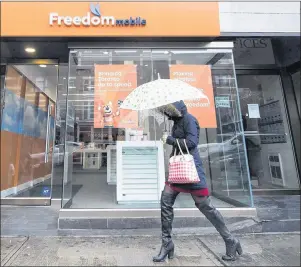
pixel 213 215
pixel 167 215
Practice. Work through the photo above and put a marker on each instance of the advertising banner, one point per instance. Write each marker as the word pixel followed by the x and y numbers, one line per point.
pixel 198 76
pixel 113 83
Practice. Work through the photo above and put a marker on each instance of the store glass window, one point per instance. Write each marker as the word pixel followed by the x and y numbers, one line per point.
pixel 114 158
pixel 26 167
pixel 13 88
pixel 268 140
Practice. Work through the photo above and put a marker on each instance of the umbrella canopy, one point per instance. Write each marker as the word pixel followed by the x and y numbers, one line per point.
pixel 159 93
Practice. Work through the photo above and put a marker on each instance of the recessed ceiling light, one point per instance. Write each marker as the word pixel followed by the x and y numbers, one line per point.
pixel 43 66
pixel 56 65
pixel 30 50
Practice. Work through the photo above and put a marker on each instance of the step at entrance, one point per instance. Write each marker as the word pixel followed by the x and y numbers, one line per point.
pixel 148 219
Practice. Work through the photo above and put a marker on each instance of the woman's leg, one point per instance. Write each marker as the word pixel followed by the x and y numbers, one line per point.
pixel 214 216
pixel 168 198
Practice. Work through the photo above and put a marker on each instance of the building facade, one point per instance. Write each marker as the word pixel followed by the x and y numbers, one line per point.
pixel 66 70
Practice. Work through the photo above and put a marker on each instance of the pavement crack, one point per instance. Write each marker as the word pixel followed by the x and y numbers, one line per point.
pixel 15 253
pixel 212 252
pixel 256 220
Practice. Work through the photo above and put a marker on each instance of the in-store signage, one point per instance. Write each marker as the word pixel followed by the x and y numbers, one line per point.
pixel 94 17
pixel 222 102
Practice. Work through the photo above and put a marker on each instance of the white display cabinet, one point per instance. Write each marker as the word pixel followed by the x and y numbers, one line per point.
pixel 92 157
pixel 140 172
pixel 91 160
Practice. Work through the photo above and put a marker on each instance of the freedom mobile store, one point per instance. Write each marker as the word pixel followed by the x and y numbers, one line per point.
pixel 107 162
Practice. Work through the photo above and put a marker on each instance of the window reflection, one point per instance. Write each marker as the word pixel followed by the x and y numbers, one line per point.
pixel 27 131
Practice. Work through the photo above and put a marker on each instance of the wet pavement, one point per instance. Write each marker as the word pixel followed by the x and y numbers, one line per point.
pixel 106 251
pixel 259 250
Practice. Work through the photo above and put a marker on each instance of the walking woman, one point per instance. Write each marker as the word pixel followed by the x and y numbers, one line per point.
pixel 186 129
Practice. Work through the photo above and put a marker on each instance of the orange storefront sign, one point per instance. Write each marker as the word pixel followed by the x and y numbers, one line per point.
pixel 141 19
pixel 200 77
pixel 113 83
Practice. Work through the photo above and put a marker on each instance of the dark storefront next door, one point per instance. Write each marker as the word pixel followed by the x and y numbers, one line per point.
pixel 271 158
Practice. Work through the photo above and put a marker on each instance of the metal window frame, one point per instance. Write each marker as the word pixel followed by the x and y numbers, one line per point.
pixel 291 70
pixel 292 113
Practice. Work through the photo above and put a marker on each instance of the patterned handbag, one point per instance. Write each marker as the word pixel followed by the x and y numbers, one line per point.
pixel 182 168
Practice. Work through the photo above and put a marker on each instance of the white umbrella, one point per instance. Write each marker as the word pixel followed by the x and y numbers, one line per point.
pixel 159 93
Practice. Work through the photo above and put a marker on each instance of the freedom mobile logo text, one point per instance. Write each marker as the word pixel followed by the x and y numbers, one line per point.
pixel 94 18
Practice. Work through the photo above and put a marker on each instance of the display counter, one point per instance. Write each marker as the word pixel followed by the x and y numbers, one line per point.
pixel 91 157
pixel 140 171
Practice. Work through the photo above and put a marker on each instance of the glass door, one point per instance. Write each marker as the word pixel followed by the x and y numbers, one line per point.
pixel 271 159
pixel 27 131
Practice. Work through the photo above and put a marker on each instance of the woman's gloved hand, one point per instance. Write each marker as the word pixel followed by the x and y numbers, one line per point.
pixel 164 138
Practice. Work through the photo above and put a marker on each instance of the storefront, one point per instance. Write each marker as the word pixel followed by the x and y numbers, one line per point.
pixel 68 141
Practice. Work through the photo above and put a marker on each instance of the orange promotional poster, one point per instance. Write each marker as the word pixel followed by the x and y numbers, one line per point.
pixel 200 77
pixel 113 83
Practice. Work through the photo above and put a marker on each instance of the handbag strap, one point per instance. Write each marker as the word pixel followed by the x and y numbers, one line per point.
pixel 175 151
pixel 186 147
pixel 181 148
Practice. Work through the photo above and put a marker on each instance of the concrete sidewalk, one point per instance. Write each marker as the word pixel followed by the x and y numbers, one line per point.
pixel 259 250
